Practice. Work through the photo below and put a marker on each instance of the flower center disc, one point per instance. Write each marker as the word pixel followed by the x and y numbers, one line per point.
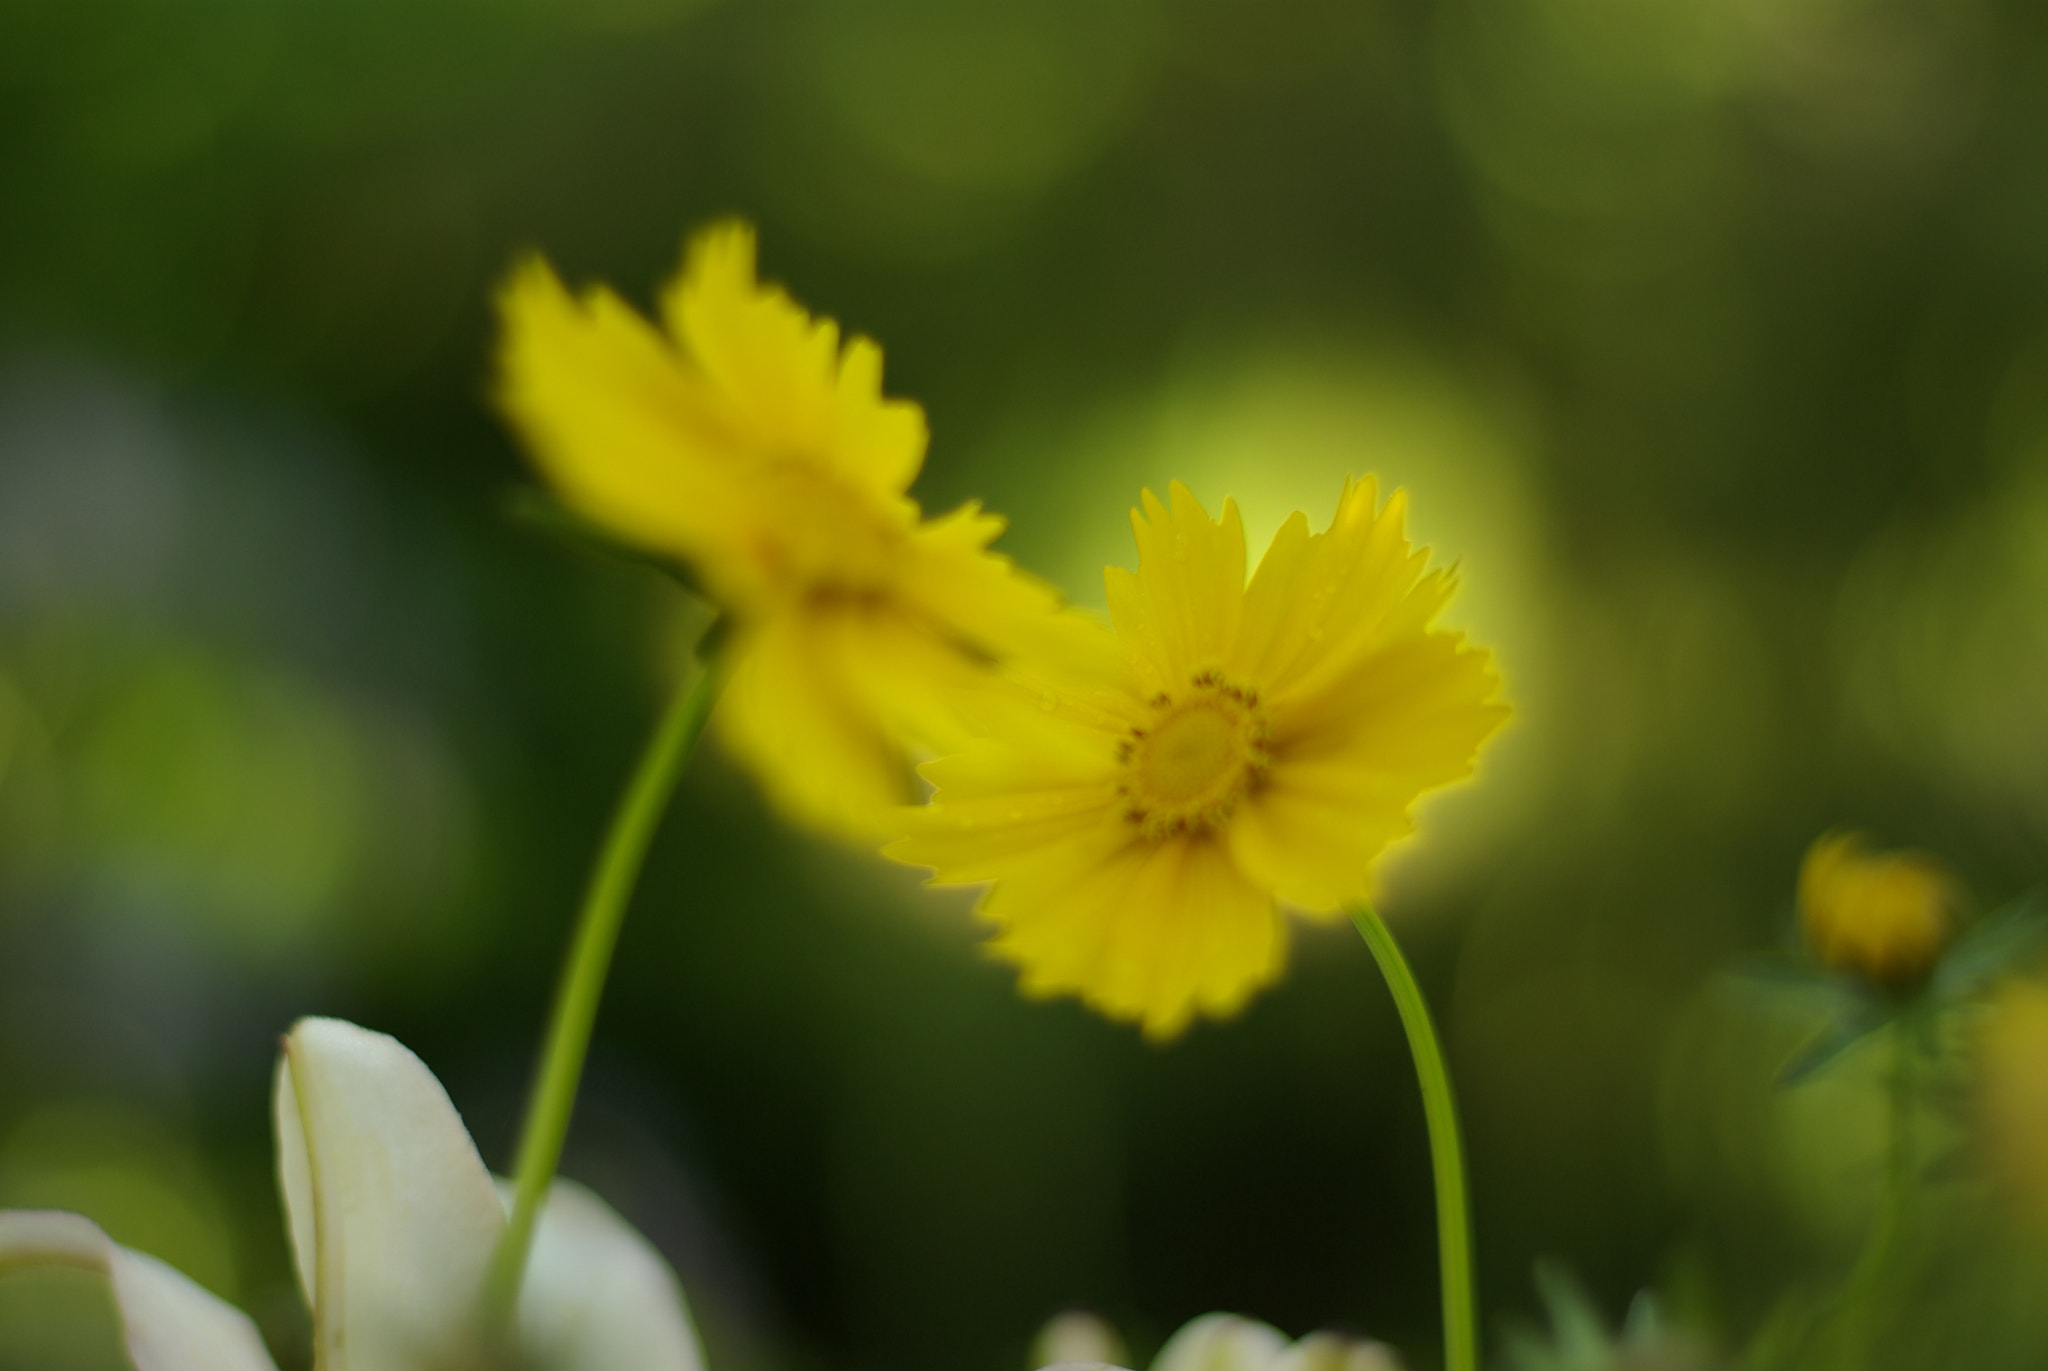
pixel 1188 768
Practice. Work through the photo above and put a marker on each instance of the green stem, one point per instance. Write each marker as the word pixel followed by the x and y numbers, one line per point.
pixel 1446 1151
pixel 576 999
pixel 1898 1191
pixel 1861 1293
pixel 1836 1331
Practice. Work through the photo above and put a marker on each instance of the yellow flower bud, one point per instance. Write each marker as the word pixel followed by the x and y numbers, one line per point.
pixel 1882 915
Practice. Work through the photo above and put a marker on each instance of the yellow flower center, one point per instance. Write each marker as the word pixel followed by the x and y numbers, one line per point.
pixel 1187 767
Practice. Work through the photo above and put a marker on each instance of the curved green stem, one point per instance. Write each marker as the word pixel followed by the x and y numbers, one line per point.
pixel 1446 1151
pixel 576 1000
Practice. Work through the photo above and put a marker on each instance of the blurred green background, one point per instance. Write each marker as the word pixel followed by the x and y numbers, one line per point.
pixel 1709 336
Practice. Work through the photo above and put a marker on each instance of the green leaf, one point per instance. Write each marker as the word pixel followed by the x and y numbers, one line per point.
pixel 1994 945
pixel 1842 1032
pixel 537 510
pixel 1581 1334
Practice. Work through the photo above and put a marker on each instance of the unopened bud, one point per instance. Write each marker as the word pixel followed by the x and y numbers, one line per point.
pixel 1882 915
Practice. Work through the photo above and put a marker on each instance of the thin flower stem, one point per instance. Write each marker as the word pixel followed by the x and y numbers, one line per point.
pixel 1899 1166
pixel 582 986
pixel 1863 1291
pixel 1837 1331
pixel 1446 1151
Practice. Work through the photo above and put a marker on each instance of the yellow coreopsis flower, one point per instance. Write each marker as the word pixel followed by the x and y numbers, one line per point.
pixel 1144 799
pixel 1882 915
pixel 743 439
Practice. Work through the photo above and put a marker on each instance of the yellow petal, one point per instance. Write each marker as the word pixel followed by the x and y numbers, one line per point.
pixel 792 392
pixel 1422 702
pixel 1037 838
pixel 1073 683
pixel 827 699
pixel 822 759
pixel 747 443
pixel 915 685
pixel 1282 606
pixel 1040 789
pixel 1007 810
pixel 1180 609
pixel 1156 933
pixel 1348 772
pixel 971 593
pixel 1317 601
pixel 617 424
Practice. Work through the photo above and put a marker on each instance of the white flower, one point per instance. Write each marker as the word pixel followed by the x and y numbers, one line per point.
pixel 393 1220
pixel 1230 1342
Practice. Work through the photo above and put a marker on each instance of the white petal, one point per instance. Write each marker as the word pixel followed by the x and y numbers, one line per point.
pixel 168 1322
pixel 1335 1352
pixel 598 1297
pixel 1078 1338
pixel 295 1176
pixel 393 1215
pixel 1221 1342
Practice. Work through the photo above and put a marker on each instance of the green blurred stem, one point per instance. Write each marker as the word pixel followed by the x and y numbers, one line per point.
pixel 1446 1150
pixel 1898 1195
pixel 1865 1287
pixel 583 977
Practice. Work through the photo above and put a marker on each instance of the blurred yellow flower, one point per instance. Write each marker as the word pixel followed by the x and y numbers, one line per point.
pixel 743 439
pixel 1882 915
pixel 2011 1050
pixel 1142 799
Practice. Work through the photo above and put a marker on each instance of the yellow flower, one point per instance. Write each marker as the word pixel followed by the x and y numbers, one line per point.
pixel 743 439
pixel 1143 799
pixel 1883 915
